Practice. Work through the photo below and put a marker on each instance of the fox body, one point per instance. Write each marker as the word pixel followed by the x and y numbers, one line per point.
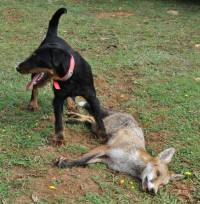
pixel 125 151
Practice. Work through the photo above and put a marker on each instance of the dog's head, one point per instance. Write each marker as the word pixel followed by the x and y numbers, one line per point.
pixel 47 62
pixel 50 60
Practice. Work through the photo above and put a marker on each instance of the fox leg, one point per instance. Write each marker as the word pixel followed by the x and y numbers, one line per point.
pixel 96 155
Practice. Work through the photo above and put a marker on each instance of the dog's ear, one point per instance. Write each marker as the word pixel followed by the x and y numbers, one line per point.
pixel 60 61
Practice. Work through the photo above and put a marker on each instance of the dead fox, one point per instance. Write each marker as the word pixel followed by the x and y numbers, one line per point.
pixel 125 151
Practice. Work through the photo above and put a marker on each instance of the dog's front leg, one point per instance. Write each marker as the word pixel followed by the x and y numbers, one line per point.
pixel 58 112
pixel 33 104
pixel 97 113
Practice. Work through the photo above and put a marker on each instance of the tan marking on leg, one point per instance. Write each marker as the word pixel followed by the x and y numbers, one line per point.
pixel 33 104
pixel 81 118
pixel 71 106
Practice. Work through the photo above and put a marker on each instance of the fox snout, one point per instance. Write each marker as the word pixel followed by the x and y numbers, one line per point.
pixel 149 186
pixel 152 188
pixel 153 191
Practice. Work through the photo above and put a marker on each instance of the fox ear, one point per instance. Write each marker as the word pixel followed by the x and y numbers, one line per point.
pixel 166 155
pixel 175 177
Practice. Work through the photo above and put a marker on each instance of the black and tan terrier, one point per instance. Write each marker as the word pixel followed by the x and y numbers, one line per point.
pixel 55 60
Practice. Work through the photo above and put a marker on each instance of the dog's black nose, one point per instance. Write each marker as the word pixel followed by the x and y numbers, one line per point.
pixel 17 66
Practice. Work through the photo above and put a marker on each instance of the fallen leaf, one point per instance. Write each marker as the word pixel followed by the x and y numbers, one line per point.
pixel 197 79
pixel 35 198
pixel 197 46
pixel 114 14
pixel 4 201
pixel 103 38
pixel 173 12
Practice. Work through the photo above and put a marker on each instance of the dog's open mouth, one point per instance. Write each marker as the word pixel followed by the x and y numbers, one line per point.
pixel 37 80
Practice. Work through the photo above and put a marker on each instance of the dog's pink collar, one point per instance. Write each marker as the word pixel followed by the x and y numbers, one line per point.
pixel 68 75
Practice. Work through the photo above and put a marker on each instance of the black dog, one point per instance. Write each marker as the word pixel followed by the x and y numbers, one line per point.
pixel 72 75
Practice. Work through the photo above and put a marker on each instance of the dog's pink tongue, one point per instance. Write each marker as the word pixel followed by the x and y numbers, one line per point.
pixel 30 85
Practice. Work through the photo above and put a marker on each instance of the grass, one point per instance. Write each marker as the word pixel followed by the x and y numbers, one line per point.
pixel 152 52
pixel 74 148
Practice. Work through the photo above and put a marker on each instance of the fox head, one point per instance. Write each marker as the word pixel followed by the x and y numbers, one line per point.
pixel 156 173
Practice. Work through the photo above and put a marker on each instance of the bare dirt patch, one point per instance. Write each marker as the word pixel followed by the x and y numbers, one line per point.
pixel 23 199
pixel 72 136
pixel 55 183
pixel 183 190
pixel 114 14
pixel 117 92
pixel 11 15
pixel 17 173
pixel 69 183
pixel 157 140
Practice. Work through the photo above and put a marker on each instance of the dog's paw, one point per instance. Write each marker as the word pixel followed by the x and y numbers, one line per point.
pixel 59 142
pixel 33 106
pixel 102 136
pixel 59 139
pixel 62 162
pixel 55 142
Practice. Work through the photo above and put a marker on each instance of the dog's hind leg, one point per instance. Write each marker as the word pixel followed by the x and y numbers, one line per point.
pixel 33 104
pixel 97 113
pixel 58 103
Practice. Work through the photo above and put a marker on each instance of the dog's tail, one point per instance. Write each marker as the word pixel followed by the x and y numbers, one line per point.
pixel 53 24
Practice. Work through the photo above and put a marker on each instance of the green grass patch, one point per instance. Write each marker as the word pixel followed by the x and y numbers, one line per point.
pixel 74 148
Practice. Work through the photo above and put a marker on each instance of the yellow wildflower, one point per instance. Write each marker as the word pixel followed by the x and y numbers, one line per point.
pixel 52 187
pixel 187 173
pixel 121 181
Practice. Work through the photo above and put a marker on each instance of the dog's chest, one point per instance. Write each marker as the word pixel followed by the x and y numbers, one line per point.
pixel 69 88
